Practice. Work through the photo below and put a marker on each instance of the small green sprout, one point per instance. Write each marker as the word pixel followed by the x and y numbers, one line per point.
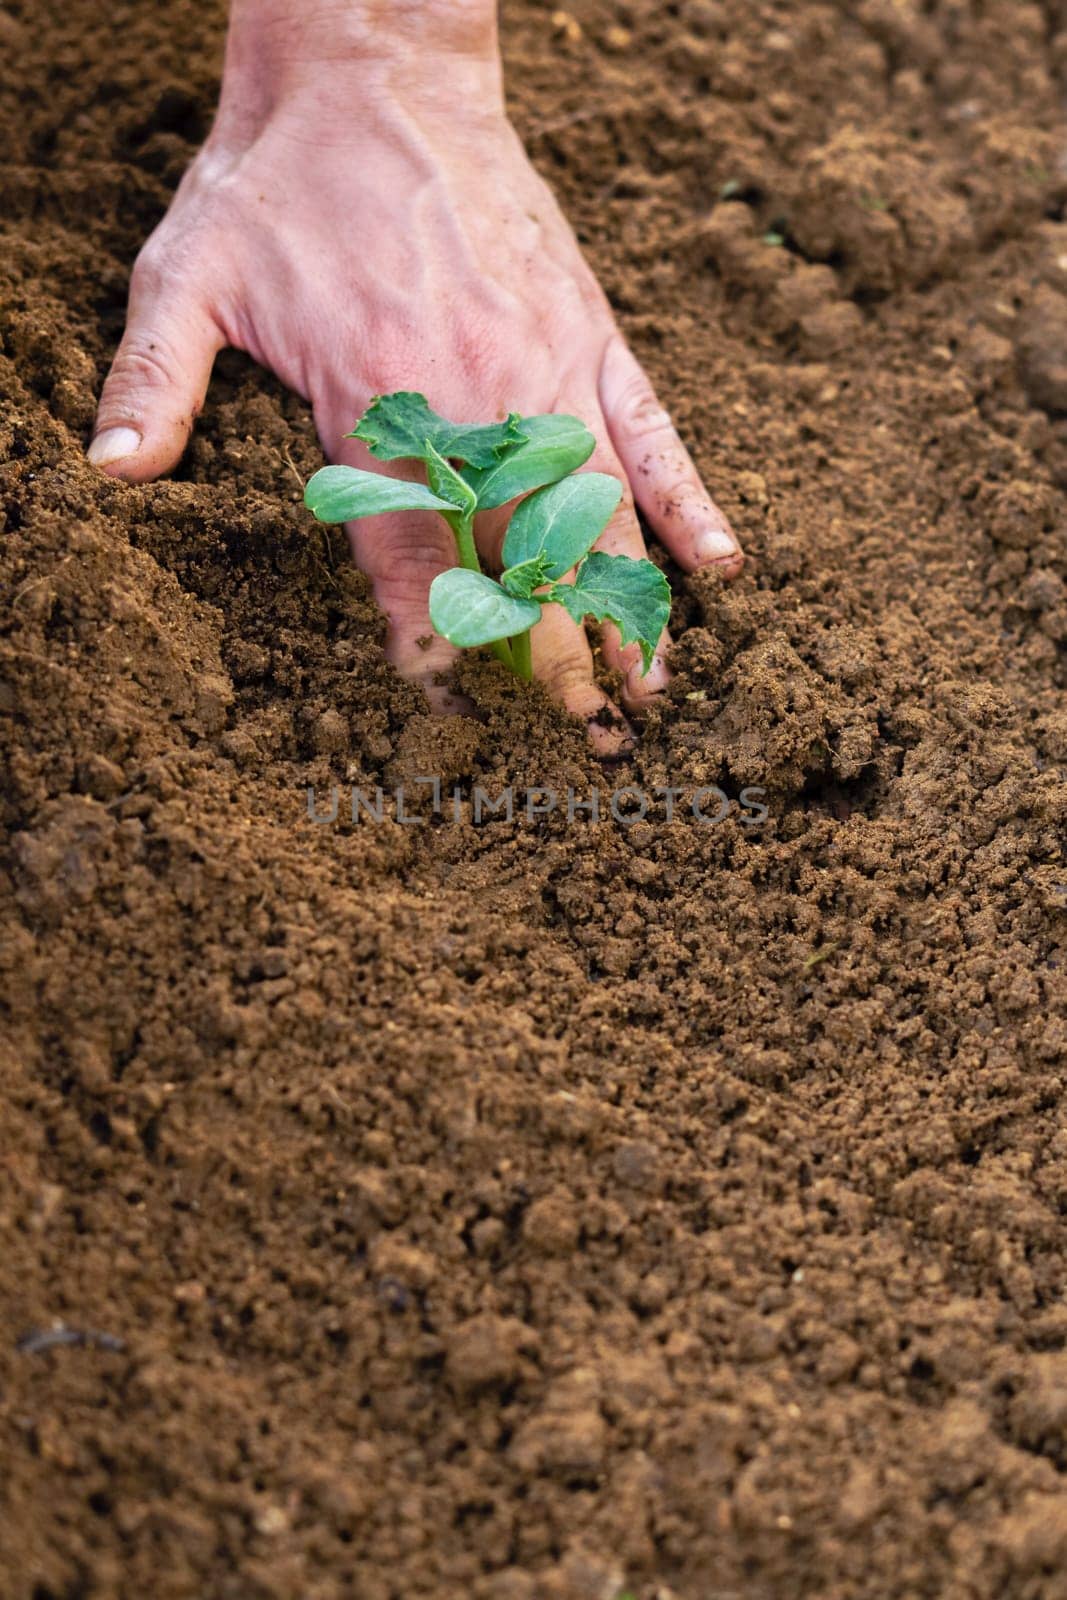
pixel 472 468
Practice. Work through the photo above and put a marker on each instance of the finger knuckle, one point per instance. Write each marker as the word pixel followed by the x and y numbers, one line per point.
pixel 144 361
pixel 177 260
pixel 149 275
pixel 407 559
pixel 644 415
pixel 619 655
pixel 683 498
pixel 566 666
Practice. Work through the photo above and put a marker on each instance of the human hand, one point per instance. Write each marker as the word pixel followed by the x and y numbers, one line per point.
pixel 363 220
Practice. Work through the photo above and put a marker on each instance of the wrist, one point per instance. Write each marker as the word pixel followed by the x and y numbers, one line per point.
pixel 351 53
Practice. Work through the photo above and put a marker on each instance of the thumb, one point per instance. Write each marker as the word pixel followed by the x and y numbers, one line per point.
pixel 157 381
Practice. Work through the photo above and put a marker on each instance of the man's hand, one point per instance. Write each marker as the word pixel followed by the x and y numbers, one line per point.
pixel 363 218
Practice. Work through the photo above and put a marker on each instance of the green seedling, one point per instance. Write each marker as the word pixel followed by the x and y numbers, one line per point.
pixel 551 532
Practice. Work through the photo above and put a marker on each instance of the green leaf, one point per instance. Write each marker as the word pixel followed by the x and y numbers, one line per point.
pixel 523 579
pixel 633 594
pixel 562 522
pixel 553 447
pixel 469 609
pixel 341 494
pixel 446 482
pixel 397 426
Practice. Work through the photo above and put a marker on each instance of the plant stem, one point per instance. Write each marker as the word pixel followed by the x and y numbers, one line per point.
pixel 521 656
pixel 463 528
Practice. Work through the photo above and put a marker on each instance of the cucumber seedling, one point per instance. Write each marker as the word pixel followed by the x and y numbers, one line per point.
pixel 471 468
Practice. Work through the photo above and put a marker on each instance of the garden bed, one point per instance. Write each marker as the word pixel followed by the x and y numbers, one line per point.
pixel 544 1208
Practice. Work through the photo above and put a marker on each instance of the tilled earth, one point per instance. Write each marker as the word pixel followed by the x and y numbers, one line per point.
pixel 533 1211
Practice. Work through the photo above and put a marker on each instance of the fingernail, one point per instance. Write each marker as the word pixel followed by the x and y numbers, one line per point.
pixel 714 544
pixel 114 444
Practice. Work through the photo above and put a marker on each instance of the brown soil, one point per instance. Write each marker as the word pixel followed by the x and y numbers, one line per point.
pixel 525 1211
